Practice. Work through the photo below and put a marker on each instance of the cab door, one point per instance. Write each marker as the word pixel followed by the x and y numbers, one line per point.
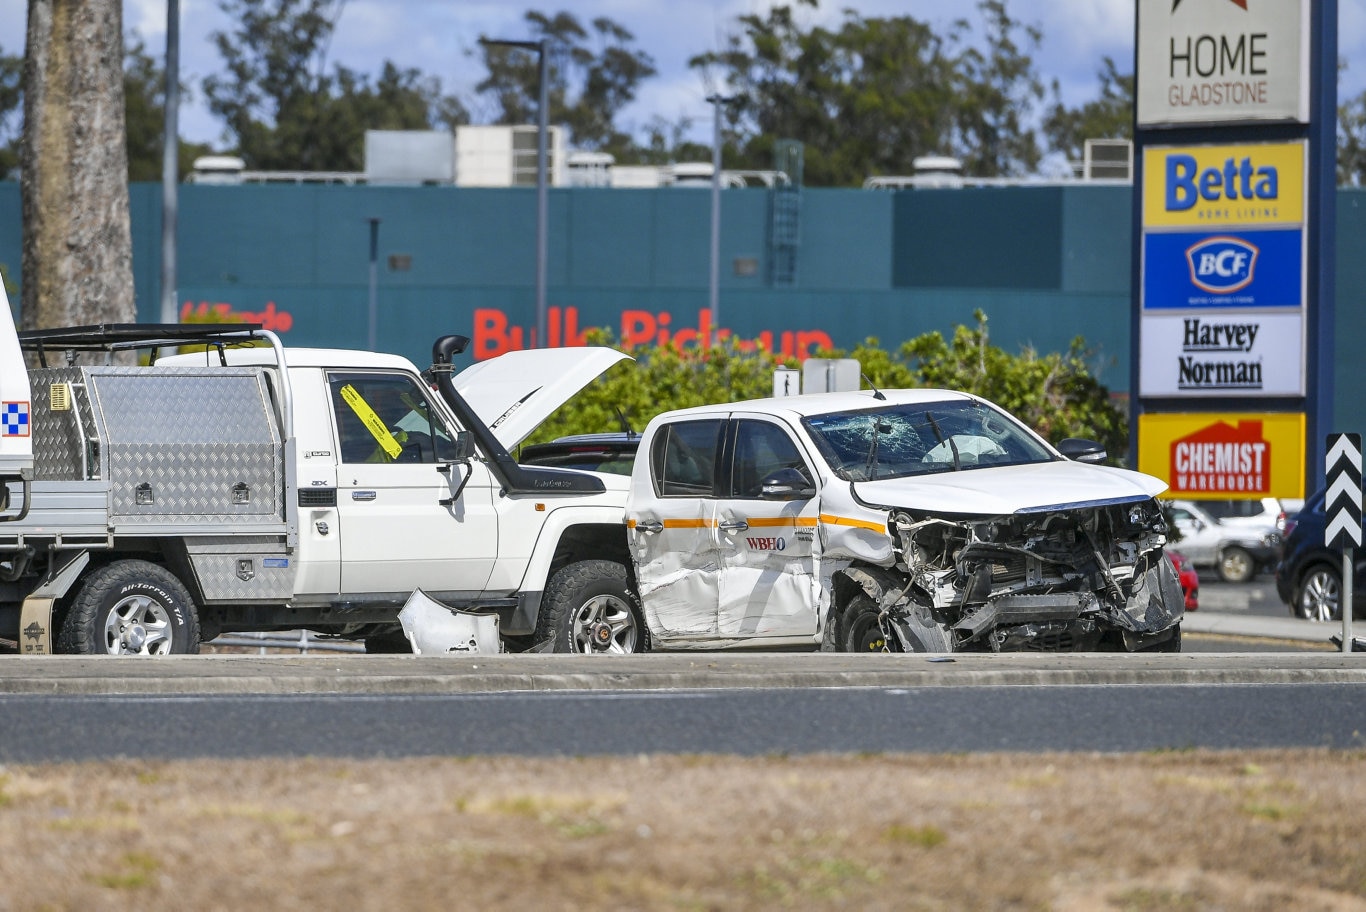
pixel 672 528
pixel 766 542
pixel 401 529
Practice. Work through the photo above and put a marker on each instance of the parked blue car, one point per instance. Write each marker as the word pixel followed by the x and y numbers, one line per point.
pixel 1309 576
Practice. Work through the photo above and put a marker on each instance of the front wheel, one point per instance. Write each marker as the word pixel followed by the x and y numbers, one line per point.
pixel 1236 565
pixel 589 609
pixel 860 630
pixel 130 607
pixel 1319 596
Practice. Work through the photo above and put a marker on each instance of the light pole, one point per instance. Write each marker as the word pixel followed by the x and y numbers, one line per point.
pixel 542 194
pixel 714 288
pixel 170 162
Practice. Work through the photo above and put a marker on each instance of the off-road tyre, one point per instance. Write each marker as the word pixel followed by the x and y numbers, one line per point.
pixel 130 607
pixel 590 609
pixel 1235 565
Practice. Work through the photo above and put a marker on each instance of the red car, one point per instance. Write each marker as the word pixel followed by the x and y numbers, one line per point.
pixel 1190 580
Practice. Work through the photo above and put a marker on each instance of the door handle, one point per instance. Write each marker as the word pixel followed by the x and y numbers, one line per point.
pixel 363 495
pixel 649 525
pixel 733 525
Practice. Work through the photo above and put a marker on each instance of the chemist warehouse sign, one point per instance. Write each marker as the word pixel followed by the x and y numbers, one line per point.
pixel 1223 270
pixel 1218 457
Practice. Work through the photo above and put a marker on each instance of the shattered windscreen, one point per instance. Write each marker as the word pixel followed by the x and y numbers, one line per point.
pixel 928 437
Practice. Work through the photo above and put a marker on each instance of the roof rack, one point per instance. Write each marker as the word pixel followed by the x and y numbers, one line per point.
pixel 111 337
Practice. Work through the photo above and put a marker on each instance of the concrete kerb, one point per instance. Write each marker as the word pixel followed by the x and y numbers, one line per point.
pixel 1271 628
pixel 447 675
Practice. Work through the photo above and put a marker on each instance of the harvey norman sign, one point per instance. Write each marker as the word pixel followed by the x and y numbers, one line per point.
pixel 1222 61
pixel 1222 354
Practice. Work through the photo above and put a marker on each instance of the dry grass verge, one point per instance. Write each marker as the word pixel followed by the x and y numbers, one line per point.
pixel 1138 833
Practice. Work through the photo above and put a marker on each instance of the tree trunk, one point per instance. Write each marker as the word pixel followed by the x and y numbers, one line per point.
pixel 78 250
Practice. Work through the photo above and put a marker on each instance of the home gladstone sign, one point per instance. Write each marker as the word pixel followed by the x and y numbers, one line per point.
pixel 1224 269
pixel 1222 61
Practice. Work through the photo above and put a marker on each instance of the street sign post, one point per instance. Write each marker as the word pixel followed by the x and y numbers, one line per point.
pixel 1342 509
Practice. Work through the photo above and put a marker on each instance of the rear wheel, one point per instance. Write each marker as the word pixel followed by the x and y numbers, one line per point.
pixel 130 607
pixel 1236 565
pixel 1319 596
pixel 589 609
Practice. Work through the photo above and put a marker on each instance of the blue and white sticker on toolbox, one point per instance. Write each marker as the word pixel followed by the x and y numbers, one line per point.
pixel 14 419
pixel 1242 269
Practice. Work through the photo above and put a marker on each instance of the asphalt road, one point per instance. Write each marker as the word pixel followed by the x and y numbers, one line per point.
pixel 1027 718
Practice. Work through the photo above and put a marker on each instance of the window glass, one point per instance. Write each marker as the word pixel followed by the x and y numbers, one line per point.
pixel 387 418
pixel 761 449
pixel 683 459
pixel 921 438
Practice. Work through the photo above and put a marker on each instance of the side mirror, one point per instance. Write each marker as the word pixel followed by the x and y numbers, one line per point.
pixel 786 484
pixel 1079 449
pixel 463 446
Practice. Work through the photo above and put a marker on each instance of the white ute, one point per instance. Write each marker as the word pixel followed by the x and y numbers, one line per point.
pixel 259 488
pixel 915 520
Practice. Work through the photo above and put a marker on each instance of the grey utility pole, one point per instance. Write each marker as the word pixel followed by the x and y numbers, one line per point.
pixel 717 102
pixel 542 191
pixel 170 165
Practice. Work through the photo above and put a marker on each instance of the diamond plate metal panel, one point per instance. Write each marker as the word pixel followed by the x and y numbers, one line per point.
pixel 250 569
pixel 195 482
pixel 57 443
pixel 183 406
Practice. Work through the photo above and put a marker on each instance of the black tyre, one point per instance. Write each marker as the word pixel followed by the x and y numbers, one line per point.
pixel 1318 597
pixel 589 609
pixel 130 607
pixel 859 630
pixel 1173 644
pixel 1235 565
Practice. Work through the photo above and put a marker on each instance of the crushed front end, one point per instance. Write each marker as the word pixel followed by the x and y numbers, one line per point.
pixel 1081 577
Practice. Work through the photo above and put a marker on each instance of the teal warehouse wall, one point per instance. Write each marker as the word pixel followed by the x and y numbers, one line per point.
pixel 1046 264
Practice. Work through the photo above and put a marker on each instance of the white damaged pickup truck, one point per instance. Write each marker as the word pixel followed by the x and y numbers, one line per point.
pixel 910 520
pixel 250 487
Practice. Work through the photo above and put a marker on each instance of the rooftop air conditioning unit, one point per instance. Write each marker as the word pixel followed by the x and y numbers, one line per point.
pixel 1108 159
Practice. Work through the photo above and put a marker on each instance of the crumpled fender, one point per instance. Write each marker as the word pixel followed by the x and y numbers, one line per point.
pixel 888 589
pixel 1157 604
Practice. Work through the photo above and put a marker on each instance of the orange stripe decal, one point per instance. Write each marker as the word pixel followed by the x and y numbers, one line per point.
pixel 831 519
pixel 764 522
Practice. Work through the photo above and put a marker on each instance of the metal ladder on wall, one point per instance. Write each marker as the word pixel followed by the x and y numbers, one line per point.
pixel 785 214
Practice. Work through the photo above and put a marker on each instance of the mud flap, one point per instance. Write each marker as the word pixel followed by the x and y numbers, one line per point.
pixel 36 635
pixel 436 629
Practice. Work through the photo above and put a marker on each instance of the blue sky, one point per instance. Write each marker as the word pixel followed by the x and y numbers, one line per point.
pixel 435 36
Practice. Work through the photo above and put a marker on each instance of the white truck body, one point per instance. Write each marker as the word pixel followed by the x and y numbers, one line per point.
pixel 281 489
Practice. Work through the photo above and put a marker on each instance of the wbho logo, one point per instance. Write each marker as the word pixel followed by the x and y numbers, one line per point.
pixel 1222 265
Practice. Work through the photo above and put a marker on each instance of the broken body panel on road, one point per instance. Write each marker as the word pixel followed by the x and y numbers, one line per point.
pixel 922 520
